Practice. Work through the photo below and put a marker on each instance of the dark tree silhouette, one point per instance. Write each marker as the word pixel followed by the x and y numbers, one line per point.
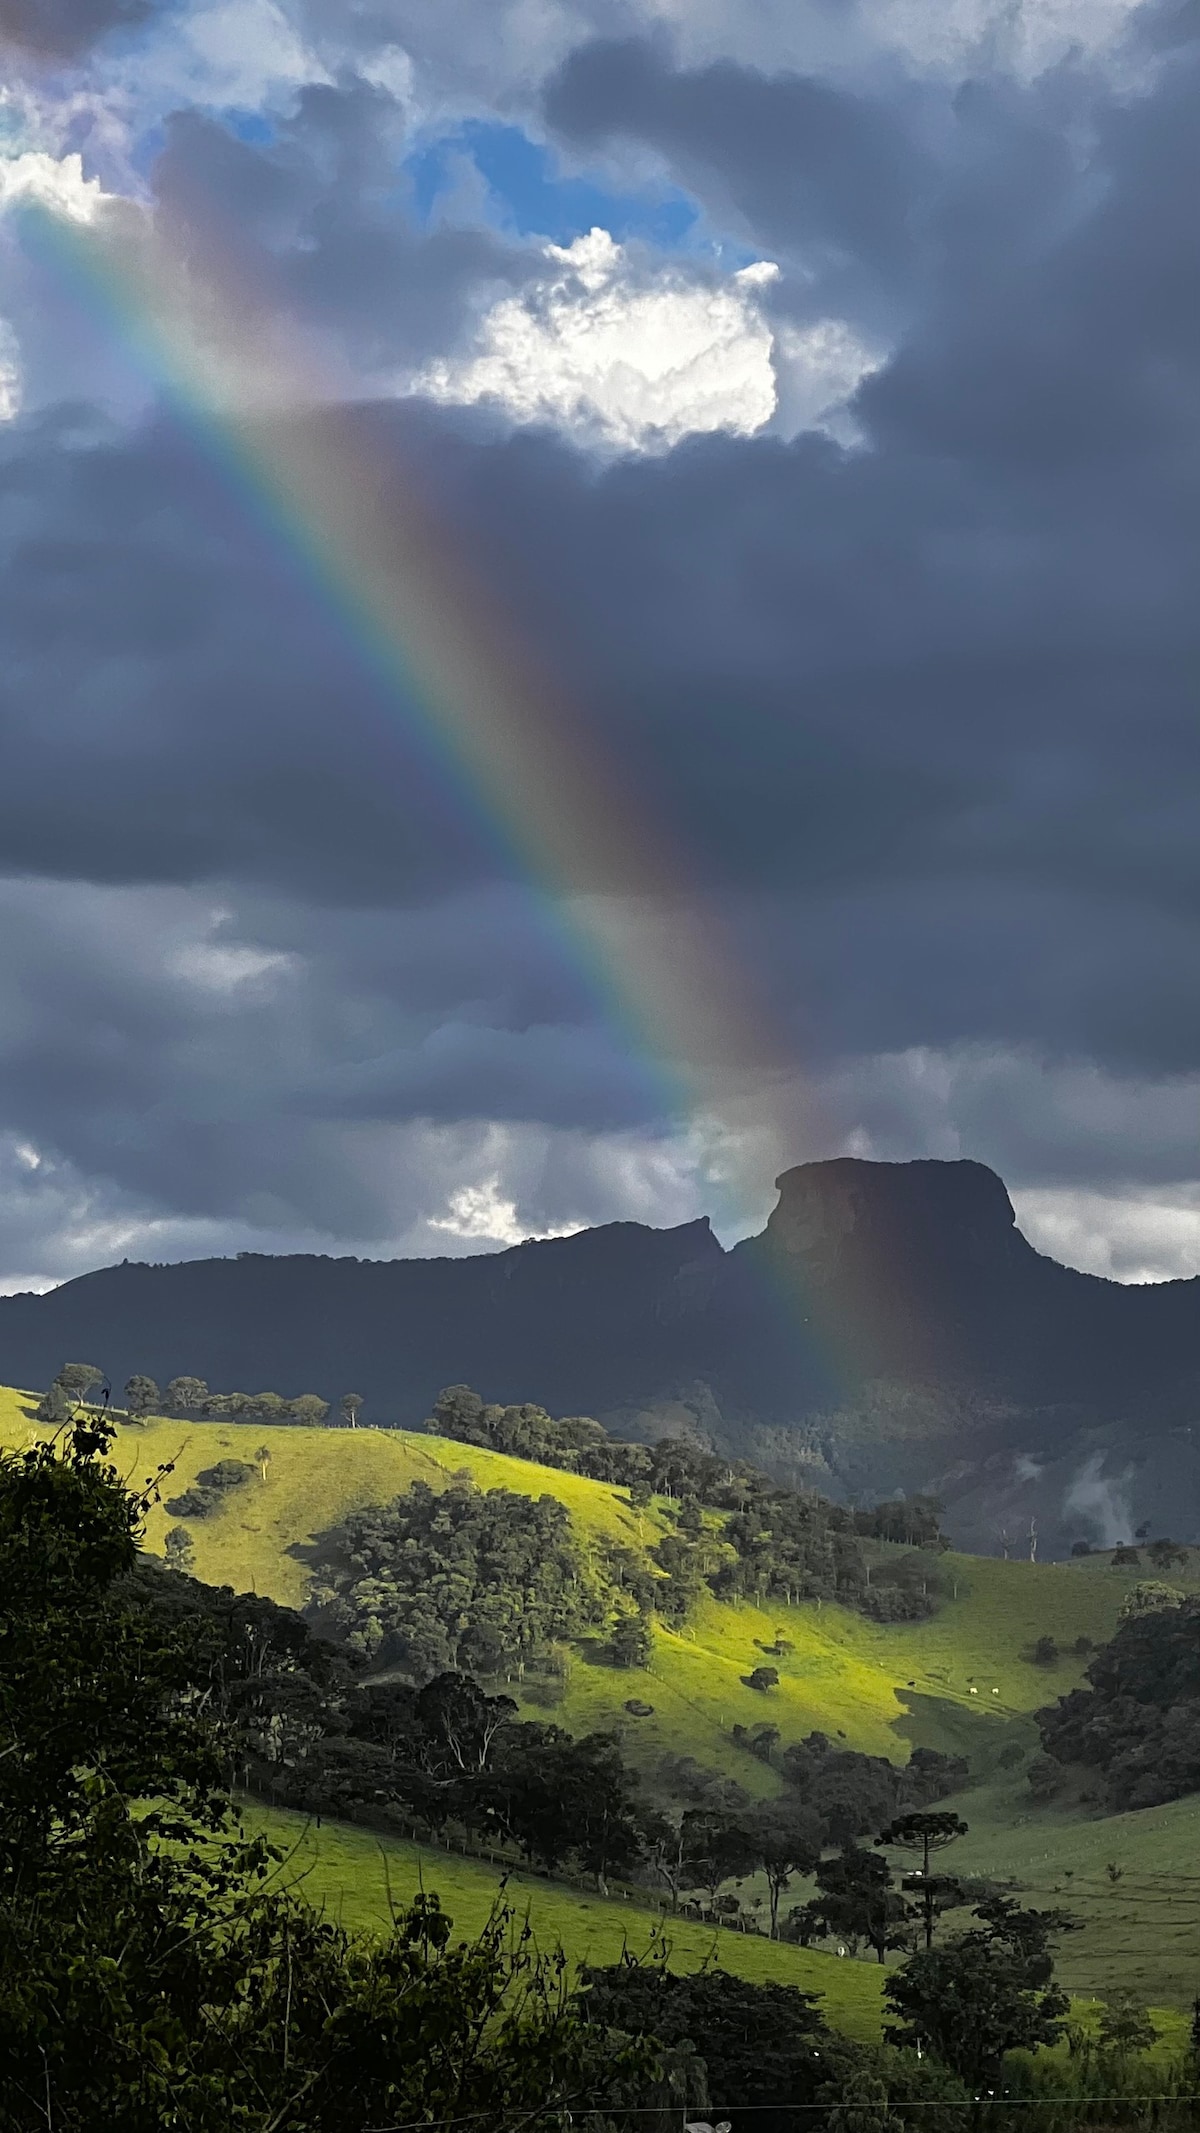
pixel 925 1833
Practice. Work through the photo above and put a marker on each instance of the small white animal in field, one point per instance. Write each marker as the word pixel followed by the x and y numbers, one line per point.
pixel 972 1692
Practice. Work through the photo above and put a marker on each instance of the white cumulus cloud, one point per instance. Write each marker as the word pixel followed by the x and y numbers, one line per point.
pixel 484 1214
pixel 635 358
pixel 1146 1234
pixel 56 182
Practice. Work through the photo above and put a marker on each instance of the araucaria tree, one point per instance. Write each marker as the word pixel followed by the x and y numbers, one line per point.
pixel 925 1833
pixel 983 1993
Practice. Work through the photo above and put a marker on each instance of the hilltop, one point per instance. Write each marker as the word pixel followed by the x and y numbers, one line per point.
pixel 890 1329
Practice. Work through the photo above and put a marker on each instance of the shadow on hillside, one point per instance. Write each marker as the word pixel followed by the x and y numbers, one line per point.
pixel 597 1651
pixel 928 1721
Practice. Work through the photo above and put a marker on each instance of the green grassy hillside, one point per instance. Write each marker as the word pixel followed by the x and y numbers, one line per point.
pixel 957 1682
pixel 357 1878
pixel 1139 1933
pixel 881 1689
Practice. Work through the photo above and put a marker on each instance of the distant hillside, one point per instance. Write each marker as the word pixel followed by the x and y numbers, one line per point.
pixel 891 1328
pixel 880 1687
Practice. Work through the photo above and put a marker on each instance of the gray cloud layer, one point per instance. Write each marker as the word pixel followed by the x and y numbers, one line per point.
pixel 923 711
pixel 59 29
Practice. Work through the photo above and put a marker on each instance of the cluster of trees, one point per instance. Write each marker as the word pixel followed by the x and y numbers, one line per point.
pixel 191 1396
pixel 458 1578
pixel 156 1968
pixel 307 1728
pixel 1139 1721
pixel 771 1542
pixel 78 1382
pixel 210 1488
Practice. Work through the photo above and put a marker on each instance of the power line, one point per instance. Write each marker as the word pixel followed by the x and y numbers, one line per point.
pixel 718 2110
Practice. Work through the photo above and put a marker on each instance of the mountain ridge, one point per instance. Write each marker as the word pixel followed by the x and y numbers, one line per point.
pixel 889 1328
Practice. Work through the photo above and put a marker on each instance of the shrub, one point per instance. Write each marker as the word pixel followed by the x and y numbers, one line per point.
pixel 762 1678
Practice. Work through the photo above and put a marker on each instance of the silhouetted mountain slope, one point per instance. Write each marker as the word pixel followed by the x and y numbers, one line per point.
pixel 890 1328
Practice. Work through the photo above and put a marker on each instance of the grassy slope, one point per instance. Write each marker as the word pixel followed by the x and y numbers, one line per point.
pixel 354 1877
pixel 1140 1934
pixel 881 1689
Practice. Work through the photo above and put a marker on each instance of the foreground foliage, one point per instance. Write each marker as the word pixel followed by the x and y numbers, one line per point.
pixel 152 1972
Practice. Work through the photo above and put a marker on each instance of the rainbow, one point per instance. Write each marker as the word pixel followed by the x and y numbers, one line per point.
pixel 613 885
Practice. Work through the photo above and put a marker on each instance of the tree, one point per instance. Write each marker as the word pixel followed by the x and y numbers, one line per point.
pixel 77 1379
pixel 762 1679
pixel 1164 1552
pixel 632 1642
pixel 1126 2028
pixel 715 1848
pixel 349 1406
pixel 225 1475
pixel 763 2049
pixel 309 1410
pixel 55 1406
pixel 925 1833
pixel 187 1394
pixel 1125 1558
pixel 262 1459
pixel 194 1503
pixel 142 1396
pixel 418 1581
pixel 664 1846
pixel 459 1724
pixel 983 1993
pixel 1144 1597
pixel 1045 1652
pixel 180 1550
pixel 785 1841
pixel 856 1899
pixel 68 1392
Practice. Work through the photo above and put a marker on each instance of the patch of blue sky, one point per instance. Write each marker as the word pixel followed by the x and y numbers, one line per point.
pixel 258 127
pixel 530 196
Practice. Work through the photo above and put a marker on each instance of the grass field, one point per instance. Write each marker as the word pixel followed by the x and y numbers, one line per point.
pixel 356 1878
pixel 958 1682
pixel 1139 1933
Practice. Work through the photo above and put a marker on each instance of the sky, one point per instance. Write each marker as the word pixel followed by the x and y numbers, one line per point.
pixel 810 392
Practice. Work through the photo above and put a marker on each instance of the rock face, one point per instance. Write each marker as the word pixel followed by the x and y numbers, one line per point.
pixel 829 1211
pixel 890 1328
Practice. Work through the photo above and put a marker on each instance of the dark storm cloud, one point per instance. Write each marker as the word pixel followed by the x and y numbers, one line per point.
pixel 923 711
pixel 803 164
pixel 323 211
pixel 62 29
